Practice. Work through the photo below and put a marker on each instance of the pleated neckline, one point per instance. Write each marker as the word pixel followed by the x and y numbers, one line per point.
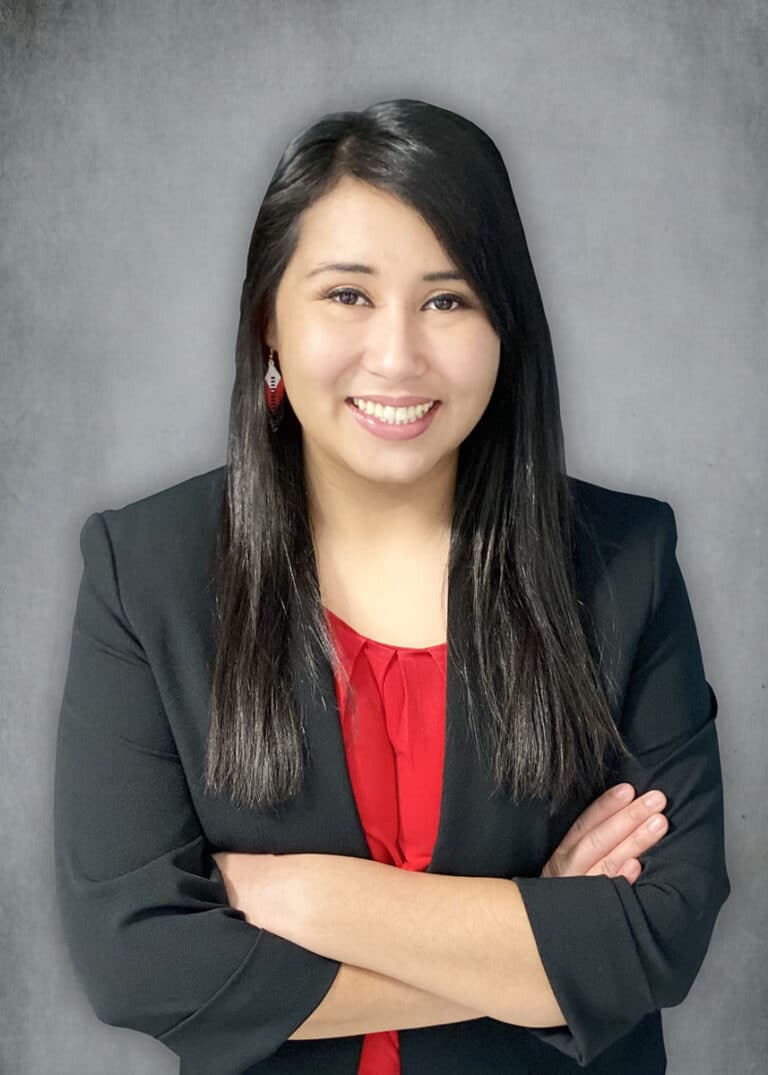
pixel 383 645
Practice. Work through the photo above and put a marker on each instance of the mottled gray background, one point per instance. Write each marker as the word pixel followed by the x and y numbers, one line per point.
pixel 136 141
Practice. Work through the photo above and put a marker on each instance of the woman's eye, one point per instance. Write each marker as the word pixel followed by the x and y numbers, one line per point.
pixel 354 291
pixel 344 291
pixel 449 298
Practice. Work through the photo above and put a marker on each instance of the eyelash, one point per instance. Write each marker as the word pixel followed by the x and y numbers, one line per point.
pixel 355 291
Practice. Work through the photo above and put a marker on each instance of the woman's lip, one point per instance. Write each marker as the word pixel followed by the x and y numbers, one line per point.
pixel 394 430
pixel 406 401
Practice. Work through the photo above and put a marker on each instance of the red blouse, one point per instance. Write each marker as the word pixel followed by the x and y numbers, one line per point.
pixel 395 764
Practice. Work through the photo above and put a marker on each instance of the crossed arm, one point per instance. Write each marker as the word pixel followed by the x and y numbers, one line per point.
pixel 417 949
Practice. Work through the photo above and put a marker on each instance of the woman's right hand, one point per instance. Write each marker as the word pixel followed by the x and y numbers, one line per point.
pixel 607 837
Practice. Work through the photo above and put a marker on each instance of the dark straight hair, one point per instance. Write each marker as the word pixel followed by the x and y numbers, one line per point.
pixel 538 698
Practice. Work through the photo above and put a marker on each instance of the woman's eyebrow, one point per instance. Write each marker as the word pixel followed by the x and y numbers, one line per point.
pixel 353 266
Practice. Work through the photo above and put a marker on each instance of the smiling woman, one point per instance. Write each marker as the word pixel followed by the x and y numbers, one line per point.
pixel 391 627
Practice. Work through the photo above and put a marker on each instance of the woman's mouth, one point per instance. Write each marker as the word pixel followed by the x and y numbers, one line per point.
pixel 392 423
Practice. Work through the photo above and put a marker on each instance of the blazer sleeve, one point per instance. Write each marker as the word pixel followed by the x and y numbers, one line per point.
pixel 142 903
pixel 614 951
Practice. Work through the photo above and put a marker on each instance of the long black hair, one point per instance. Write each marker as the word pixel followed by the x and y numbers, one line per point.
pixel 537 696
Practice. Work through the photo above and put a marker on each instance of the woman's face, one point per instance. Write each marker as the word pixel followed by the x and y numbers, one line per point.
pixel 342 333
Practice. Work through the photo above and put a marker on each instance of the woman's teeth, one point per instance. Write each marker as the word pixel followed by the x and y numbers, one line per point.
pixel 393 415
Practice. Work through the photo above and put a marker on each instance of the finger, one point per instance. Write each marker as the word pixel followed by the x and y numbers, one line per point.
pixel 604 806
pixel 605 838
pixel 637 843
pixel 631 870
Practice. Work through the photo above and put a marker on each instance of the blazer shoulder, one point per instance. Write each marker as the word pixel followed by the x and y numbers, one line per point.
pixel 169 517
pixel 616 518
pixel 163 545
pixel 623 543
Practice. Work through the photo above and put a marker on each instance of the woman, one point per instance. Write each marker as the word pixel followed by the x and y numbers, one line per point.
pixel 383 637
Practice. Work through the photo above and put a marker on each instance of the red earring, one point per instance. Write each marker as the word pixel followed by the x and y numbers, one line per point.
pixel 274 392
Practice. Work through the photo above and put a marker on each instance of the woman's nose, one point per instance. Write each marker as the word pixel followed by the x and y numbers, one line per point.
pixel 396 348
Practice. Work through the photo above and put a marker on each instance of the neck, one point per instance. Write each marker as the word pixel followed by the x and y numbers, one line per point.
pixel 362 514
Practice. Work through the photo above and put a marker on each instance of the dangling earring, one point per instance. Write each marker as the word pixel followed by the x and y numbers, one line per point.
pixel 275 392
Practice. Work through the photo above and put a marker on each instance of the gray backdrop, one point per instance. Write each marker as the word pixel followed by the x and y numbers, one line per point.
pixel 137 139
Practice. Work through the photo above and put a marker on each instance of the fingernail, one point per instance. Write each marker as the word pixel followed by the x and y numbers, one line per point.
pixel 655 823
pixel 624 791
pixel 654 799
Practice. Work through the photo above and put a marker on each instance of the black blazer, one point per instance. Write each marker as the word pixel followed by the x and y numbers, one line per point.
pixel 143 905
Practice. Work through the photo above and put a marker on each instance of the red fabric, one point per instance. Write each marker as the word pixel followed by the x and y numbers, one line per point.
pixel 395 763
